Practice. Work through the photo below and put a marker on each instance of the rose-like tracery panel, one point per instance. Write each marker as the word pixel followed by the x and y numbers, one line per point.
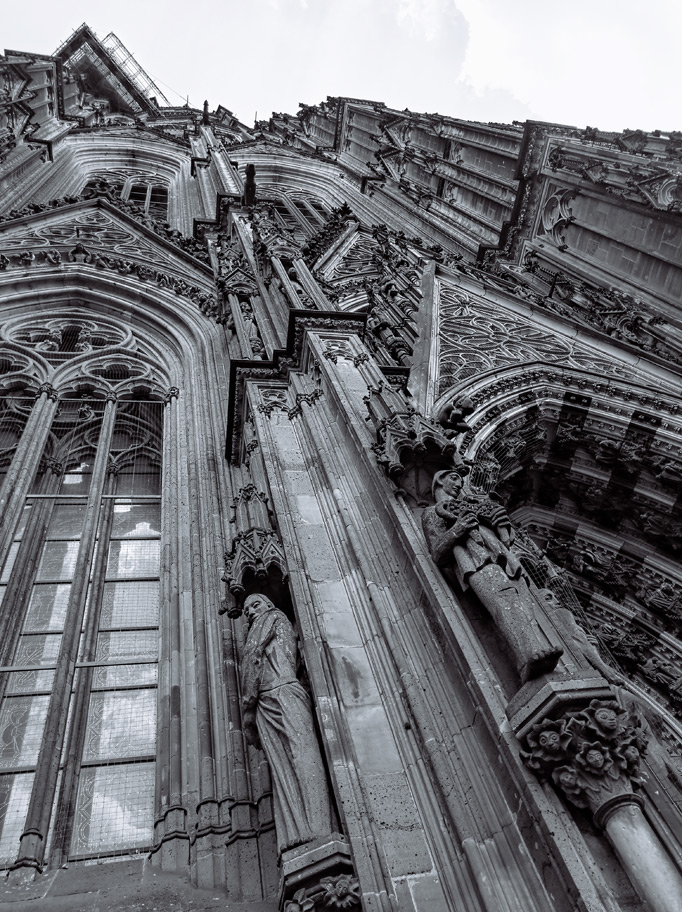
pixel 64 336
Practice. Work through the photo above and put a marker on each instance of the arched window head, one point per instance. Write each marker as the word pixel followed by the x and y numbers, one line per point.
pixel 61 338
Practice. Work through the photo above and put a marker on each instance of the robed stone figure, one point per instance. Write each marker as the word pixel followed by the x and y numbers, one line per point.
pixel 277 718
pixel 470 535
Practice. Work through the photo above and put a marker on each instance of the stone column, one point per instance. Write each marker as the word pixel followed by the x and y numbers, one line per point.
pixel 32 844
pixel 296 301
pixel 203 782
pixel 592 755
pixel 649 866
pixel 170 828
pixel 18 592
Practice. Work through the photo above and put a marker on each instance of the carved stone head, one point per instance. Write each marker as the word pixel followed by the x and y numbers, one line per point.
pixel 447 484
pixel 255 605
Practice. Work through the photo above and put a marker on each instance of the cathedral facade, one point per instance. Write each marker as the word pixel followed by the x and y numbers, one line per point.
pixel 394 402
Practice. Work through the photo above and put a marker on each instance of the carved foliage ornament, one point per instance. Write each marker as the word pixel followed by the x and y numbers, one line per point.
pixel 336 893
pixel 407 438
pixel 591 755
pixel 191 246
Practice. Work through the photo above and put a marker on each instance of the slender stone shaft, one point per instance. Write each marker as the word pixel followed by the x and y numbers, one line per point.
pixel 24 464
pixel 33 839
pixel 649 867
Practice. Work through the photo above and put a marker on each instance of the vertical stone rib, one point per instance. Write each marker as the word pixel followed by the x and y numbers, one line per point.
pixel 169 723
pixel 309 282
pixel 81 700
pixel 32 844
pixel 24 465
pixel 203 696
pixel 18 592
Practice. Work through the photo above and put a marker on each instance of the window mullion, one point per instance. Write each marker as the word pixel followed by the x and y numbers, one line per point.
pixel 18 591
pixel 79 712
pixel 33 839
pixel 24 464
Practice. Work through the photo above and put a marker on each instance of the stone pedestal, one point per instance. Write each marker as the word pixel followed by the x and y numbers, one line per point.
pixel 319 875
pixel 541 699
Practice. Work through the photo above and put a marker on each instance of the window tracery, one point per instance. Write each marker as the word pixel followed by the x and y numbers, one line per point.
pixel 142 188
pixel 59 339
pixel 80 572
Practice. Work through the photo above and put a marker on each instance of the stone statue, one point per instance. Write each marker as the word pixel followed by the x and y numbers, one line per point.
pixel 471 535
pixel 277 718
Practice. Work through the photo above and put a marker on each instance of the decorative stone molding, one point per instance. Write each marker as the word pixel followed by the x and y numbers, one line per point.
pixel 409 447
pixel 319 877
pixel 300 321
pixel 591 755
pixel 256 559
pixel 49 391
pixel 407 438
pixel 205 301
pixel 340 892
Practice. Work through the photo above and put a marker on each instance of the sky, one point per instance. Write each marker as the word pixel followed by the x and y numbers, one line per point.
pixel 600 63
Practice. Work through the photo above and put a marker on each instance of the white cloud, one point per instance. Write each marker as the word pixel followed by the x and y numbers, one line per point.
pixel 424 19
pixel 609 63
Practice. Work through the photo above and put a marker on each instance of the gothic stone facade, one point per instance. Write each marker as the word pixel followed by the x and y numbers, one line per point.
pixel 341 515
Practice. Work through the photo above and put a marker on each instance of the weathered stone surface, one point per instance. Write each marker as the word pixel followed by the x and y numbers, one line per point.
pixel 278 720
pixel 404 294
pixel 119 886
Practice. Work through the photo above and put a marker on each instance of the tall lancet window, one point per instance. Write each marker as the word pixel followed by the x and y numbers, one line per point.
pixel 79 550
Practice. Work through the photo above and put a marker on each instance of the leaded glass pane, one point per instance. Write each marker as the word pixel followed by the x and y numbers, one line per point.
pixel 58 560
pixel 22 720
pixel 136 520
pixel 47 608
pixel 9 563
pixel 30 681
pixel 76 483
pixel 129 644
pixel 114 809
pixel 23 519
pixel 125 676
pixel 121 723
pixel 66 521
pixel 15 792
pixel 130 605
pixel 133 558
pixel 38 649
pixel 138 483
pixel 77 479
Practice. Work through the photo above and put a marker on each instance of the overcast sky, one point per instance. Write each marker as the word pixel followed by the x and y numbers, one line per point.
pixel 600 63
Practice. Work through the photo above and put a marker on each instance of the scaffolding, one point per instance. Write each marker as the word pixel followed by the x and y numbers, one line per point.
pixel 113 60
pixel 133 70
